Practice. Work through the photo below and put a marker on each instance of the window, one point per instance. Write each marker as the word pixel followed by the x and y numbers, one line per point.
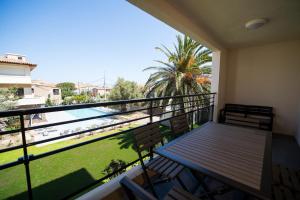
pixel 55 91
pixel 32 90
pixel 20 92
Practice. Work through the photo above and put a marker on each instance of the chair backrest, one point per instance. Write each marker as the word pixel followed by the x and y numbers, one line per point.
pixel 134 191
pixel 147 137
pixel 179 124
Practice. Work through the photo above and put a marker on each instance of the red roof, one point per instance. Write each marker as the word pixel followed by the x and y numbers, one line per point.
pixel 15 61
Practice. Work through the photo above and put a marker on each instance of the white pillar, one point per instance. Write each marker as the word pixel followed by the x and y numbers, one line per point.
pixel 218 80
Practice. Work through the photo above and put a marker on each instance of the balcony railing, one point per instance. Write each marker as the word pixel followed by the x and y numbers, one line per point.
pixel 199 109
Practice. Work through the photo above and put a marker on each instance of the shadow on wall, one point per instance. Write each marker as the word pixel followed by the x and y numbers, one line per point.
pixel 59 188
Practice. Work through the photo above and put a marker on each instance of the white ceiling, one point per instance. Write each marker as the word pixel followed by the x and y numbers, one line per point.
pixel 225 20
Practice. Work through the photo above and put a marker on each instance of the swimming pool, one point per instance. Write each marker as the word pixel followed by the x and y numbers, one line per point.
pixel 87 112
pixel 60 116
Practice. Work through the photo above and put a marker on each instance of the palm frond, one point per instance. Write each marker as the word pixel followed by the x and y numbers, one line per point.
pixel 179 74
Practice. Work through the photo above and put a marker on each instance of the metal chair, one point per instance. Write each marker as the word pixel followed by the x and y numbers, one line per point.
pixel 286 183
pixel 179 125
pixel 146 138
pixel 134 191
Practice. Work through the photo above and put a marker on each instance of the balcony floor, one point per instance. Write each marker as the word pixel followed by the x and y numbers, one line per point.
pixel 285 151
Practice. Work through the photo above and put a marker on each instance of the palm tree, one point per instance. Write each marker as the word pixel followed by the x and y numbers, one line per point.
pixel 181 74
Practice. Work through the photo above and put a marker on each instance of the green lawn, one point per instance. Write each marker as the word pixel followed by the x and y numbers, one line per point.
pixel 65 172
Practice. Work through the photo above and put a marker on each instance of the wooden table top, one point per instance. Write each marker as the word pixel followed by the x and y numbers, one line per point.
pixel 231 154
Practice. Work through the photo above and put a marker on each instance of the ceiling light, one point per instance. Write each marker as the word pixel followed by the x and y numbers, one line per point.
pixel 255 23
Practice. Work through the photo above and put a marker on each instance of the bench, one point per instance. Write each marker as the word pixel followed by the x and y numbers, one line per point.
pixel 247 115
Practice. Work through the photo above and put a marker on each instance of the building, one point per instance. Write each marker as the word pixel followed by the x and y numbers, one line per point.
pixel 100 91
pixel 95 90
pixel 46 90
pixel 15 72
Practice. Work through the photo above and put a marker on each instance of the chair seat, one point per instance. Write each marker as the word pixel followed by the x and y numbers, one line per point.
pixel 284 193
pixel 165 167
pixel 135 191
pixel 287 177
pixel 179 194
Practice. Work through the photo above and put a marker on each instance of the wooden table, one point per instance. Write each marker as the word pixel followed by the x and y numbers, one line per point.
pixel 237 156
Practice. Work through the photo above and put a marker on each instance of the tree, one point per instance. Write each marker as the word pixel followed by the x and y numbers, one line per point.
pixel 8 100
pixel 48 102
pixel 67 89
pixel 125 90
pixel 67 100
pixel 114 166
pixel 206 70
pixel 79 98
pixel 180 74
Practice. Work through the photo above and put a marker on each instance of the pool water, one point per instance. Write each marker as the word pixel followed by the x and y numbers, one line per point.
pixel 86 112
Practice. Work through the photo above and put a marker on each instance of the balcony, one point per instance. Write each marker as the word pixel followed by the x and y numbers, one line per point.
pixel 71 164
pixel 253 67
pixel 48 149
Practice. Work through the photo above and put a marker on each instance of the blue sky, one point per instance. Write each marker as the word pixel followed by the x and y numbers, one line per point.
pixel 79 40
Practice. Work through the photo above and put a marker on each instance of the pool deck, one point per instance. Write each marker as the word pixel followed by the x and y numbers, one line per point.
pixel 53 117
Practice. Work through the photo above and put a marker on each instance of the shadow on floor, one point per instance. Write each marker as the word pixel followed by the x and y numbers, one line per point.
pixel 285 151
pixel 59 188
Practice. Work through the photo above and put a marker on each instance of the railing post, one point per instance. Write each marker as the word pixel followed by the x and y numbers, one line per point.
pixel 151 111
pixel 198 110
pixel 212 108
pixel 192 109
pixel 26 158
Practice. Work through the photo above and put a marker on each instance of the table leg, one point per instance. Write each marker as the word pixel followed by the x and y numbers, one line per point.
pixel 204 186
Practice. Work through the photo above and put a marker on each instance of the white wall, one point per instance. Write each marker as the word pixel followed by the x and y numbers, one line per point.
pixel 45 92
pixel 218 83
pixel 13 69
pixel 14 74
pixel 267 75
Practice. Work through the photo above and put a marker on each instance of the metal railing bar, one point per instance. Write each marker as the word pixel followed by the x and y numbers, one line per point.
pixel 179 103
pixel 38 156
pixel 95 129
pixel 178 110
pixel 101 116
pixel 85 131
pixel 11 164
pixel 165 119
pixel 11 148
pixel 83 119
pixel 34 157
pixel 10 132
pixel 88 105
pixel 26 159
